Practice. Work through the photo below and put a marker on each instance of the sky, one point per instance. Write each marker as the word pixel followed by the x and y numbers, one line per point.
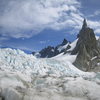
pixel 31 25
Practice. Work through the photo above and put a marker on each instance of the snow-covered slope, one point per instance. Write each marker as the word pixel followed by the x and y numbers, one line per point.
pixel 73 45
pixel 24 77
pixel 50 51
pixel 60 48
pixel 17 60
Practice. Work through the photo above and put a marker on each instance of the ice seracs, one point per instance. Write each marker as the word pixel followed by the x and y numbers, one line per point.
pixel 25 77
pixel 17 60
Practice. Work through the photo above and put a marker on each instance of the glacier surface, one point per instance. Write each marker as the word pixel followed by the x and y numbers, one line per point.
pixel 25 77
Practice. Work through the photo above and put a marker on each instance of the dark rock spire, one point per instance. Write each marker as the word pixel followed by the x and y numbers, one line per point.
pixel 86 36
pixel 84 24
pixel 86 47
pixel 84 27
pixel 64 42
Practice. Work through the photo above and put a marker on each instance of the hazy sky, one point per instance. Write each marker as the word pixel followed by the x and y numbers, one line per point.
pixel 34 24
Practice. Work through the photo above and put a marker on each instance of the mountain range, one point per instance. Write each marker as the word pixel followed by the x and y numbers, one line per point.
pixel 86 46
pixel 69 71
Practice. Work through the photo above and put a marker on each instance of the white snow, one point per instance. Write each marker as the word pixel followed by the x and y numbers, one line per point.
pixel 25 77
pixel 52 50
pixel 65 57
pixel 97 37
pixel 73 44
pixel 98 64
pixel 16 60
pixel 93 58
pixel 63 47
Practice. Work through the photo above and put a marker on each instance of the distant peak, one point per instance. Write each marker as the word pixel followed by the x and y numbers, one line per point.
pixel 64 42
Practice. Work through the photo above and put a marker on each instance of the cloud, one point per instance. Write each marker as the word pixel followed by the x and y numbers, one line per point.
pixel 44 42
pixel 96 13
pixel 3 38
pixel 95 25
pixel 25 18
pixel 97 31
pixel 23 48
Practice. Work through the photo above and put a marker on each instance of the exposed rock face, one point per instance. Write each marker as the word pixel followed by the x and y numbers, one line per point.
pixel 86 48
pixel 60 48
pixel 64 42
pixel 98 43
pixel 47 52
pixel 53 51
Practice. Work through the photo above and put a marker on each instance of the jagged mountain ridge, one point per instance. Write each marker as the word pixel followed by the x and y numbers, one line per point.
pixel 86 47
pixel 51 51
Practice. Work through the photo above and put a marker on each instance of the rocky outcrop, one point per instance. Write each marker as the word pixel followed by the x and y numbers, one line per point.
pixel 86 48
pixel 64 42
pixel 47 52
pixel 51 51
pixel 98 43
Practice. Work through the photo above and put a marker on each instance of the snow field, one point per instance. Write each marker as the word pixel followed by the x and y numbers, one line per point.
pixel 24 77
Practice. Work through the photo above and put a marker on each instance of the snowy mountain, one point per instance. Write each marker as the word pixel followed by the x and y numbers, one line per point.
pixel 86 47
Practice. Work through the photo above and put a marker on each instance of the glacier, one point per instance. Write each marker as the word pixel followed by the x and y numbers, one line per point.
pixel 25 77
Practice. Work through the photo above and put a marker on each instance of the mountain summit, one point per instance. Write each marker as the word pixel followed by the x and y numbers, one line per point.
pixel 86 37
pixel 84 24
pixel 86 48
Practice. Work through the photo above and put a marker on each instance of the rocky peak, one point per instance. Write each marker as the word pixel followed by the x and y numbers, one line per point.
pixel 84 27
pixel 47 52
pixel 53 51
pixel 86 47
pixel 84 24
pixel 86 37
pixel 98 41
pixel 64 42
